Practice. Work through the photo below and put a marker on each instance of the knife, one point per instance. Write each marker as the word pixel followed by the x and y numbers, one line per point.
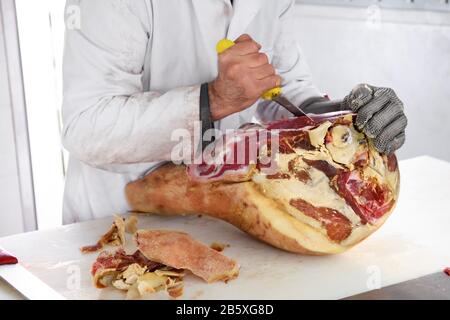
pixel 434 286
pixel 30 286
pixel 274 94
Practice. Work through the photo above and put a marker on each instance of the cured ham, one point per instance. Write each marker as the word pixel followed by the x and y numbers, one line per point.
pixel 179 250
pixel 314 186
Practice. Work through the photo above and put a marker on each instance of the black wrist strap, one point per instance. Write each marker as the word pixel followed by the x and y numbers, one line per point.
pixel 205 115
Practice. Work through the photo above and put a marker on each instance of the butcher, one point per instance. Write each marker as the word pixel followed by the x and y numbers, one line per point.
pixel 137 70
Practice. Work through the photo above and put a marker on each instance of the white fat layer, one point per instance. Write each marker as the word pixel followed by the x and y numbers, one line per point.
pixel 344 144
pixel 316 192
pixel 378 169
pixel 358 234
pixel 305 234
pixel 317 135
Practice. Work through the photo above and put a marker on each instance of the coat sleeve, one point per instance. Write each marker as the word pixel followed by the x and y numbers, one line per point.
pixel 108 118
pixel 291 65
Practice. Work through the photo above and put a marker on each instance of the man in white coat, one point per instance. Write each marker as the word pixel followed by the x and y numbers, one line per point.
pixel 136 70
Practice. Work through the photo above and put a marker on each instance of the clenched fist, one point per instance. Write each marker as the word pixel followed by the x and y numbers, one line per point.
pixel 244 75
pixel 380 116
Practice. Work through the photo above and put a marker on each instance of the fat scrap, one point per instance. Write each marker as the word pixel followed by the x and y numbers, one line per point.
pixel 160 263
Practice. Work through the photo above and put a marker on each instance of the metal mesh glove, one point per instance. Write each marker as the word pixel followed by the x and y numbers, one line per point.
pixel 379 115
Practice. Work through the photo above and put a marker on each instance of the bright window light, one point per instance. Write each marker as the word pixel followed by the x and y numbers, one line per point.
pixel 41 33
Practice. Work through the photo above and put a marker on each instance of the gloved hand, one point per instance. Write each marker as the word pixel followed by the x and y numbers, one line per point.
pixel 379 115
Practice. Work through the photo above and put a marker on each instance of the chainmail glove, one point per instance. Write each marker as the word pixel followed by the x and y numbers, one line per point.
pixel 379 115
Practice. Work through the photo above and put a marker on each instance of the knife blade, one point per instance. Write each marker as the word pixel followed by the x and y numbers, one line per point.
pixel 296 111
pixel 30 286
pixel 435 286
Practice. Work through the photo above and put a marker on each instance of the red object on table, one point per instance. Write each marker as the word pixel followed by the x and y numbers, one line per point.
pixel 6 258
pixel 447 271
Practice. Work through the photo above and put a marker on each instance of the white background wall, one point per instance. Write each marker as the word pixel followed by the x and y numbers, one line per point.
pixel 406 50
pixel 10 202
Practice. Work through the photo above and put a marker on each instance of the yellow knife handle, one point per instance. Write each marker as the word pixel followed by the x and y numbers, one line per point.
pixel 224 45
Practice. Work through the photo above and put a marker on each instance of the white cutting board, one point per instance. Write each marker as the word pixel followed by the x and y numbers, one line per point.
pixel 415 241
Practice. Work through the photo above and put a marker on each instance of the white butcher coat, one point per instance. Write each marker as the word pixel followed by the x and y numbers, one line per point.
pixel 132 75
